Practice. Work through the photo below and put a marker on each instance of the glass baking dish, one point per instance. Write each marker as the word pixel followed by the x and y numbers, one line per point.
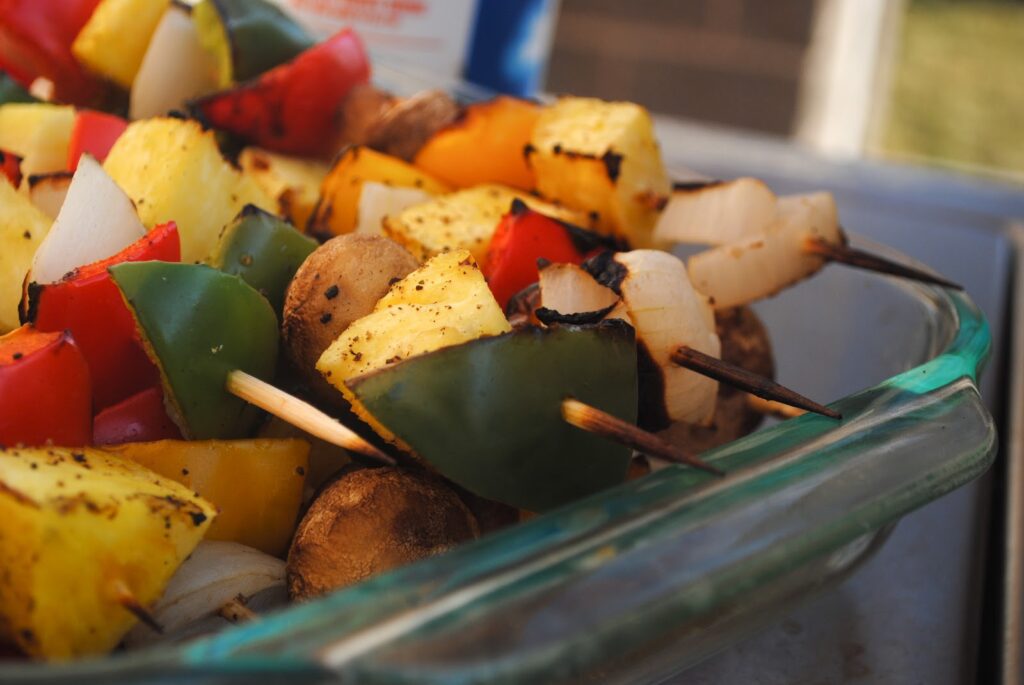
pixel 641 581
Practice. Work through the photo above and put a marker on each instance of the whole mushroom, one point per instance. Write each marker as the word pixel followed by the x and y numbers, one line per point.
pixel 341 281
pixel 372 520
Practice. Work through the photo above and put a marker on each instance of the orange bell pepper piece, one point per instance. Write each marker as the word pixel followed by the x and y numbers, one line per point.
pixel 487 145
pixel 255 484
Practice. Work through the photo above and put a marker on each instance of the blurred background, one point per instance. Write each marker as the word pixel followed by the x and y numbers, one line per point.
pixel 937 82
pixel 932 81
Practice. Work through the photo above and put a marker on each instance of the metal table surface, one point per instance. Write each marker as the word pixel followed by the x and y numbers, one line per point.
pixel 911 613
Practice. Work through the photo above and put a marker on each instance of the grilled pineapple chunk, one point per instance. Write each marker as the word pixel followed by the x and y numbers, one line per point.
pixel 114 40
pixel 173 171
pixel 22 229
pixel 464 220
pixel 601 158
pixel 445 302
pixel 292 182
pixel 39 133
pixel 82 534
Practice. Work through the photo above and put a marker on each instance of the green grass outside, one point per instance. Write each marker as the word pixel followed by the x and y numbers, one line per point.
pixel 958 87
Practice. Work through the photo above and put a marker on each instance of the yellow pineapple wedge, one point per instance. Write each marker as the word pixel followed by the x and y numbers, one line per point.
pixel 173 171
pixel 39 133
pixel 464 220
pixel 22 229
pixel 293 183
pixel 445 302
pixel 114 40
pixel 601 158
pixel 83 535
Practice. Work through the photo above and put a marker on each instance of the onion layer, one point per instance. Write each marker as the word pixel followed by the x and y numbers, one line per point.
pixel 716 213
pixel 215 574
pixel 757 267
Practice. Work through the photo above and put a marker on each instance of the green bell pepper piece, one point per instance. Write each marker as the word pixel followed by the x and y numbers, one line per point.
pixel 264 250
pixel 199 324
pixel 487 414
pixel 11 91
pixel 247 37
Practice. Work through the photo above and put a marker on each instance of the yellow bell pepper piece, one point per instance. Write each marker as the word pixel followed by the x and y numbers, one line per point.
pixel 337 212
pixel 114 40
pixel 255 484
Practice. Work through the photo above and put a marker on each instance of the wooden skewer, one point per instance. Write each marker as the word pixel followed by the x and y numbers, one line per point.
pixel 593 420
pixel 124 596
pixel 300 413
pixel 745 380
pixel 773 408
pixel 237 612
pixel 871 262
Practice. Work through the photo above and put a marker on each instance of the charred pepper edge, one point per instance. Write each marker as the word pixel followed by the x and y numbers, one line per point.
pixel 550 317
pixel 607 271
pixel 171 406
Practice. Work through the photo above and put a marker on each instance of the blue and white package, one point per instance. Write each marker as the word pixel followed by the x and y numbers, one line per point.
pixel 499 44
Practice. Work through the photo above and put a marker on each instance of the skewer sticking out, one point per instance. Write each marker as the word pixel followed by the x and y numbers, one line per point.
pixel 745 380
pixel 860 259
pixel 237 612
pixel 773 408
pixel 301 414
pixel 593 420
pixel 124 596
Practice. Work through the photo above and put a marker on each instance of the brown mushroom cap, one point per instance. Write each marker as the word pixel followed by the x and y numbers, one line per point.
pixel 745 343
pixel 360 111
pixel 372 520
pixel 340 282
pixel 403 129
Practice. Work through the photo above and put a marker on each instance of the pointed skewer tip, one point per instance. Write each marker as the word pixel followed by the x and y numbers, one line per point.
pixel 738 377
pixel 593 420
pixel 862 259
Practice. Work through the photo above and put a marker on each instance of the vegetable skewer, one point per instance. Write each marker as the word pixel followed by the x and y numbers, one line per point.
pixel 593 420
pixel 300 413
pixel 736 376
pixel 531 417
pixel 236 611
pixel 860 259
pixel 773 408
pixel 126 598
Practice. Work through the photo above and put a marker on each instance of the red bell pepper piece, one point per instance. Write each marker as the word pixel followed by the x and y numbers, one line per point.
pixel 140 418
pixel 89 304
pixel 95 133
pixel 45 391
pixel 10 166
pixel 292 108
pixel 35 40
pixel 523 237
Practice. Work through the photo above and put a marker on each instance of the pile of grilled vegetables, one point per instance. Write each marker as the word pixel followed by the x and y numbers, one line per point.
pixel 191 190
